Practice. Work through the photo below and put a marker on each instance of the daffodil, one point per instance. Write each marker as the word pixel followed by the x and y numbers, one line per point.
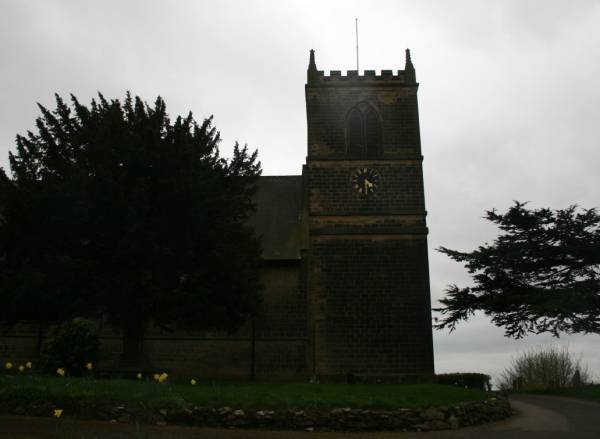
pixel 89 366
pixel 21 368
pixel 60 371
pixel 163 377
pixel 28 365
pixel 139 376
pixel 193 382
pixel 57 413
pixel 8 365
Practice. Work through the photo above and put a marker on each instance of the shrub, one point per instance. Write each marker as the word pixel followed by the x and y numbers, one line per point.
pixel 544 367
pixel 71 345
pixel 471 380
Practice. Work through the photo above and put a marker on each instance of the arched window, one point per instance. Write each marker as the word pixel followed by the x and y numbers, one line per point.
pixel 372 134
pixel 363 133
pixel 355 134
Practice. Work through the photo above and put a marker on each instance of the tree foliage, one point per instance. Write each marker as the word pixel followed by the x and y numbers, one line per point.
pixel 71 345
pixel 542 273
pixel 114 210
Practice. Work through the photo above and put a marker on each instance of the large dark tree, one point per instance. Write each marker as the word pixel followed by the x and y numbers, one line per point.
pixel 542 274
pixel 113 210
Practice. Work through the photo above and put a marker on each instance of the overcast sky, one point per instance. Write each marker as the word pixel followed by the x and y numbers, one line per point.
pixel 509 99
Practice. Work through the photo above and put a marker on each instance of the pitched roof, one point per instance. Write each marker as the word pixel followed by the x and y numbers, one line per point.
pixel 279 217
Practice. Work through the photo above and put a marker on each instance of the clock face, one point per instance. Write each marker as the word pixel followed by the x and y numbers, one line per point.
pixel 365 181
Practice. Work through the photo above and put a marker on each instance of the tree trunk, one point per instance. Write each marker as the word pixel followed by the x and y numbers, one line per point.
pixel 133 356
pixel 253 351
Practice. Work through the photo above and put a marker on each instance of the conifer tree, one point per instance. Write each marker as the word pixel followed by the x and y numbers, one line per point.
pixel 113 210
pixel 542 274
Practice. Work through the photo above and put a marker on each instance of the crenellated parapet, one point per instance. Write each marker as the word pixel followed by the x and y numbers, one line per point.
pixel 406 76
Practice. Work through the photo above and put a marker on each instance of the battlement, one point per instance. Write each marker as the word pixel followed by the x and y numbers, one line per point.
pixel 406 76
pixel 369 75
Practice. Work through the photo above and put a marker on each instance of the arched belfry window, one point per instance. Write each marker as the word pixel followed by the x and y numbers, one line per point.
pixel 363 133
pixel 354 134
pixel 373 134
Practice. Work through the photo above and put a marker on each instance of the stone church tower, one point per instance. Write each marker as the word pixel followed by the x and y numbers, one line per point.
pixel 368 280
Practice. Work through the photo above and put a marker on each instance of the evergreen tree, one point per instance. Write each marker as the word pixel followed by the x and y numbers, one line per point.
pixel 542 274
pixel 114 211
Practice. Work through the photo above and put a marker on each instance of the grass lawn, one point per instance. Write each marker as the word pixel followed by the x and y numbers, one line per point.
pixel 74 392
pixel 586 392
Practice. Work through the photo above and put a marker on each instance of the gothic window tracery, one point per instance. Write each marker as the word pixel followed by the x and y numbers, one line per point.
pixel 363 133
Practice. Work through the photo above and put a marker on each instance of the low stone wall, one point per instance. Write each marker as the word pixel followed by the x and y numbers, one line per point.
pixel 340 419
pixel 184 355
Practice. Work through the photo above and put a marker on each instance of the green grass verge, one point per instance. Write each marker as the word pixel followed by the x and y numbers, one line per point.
pixel 586 392
pixel 64 392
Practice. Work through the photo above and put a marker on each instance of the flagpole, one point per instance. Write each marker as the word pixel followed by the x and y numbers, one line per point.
pixel 356 22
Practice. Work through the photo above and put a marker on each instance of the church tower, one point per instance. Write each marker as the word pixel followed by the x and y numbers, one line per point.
pixel 369 310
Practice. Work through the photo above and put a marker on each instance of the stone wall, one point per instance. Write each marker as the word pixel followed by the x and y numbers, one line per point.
pixel 18 345
pixel 329 102
pixel 453 417
pixel 344 419
pixel 370 304
pixel 283 311
pixel 400 188
pixel 280 343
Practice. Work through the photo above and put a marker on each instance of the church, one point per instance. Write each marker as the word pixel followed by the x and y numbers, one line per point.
pixel 345 267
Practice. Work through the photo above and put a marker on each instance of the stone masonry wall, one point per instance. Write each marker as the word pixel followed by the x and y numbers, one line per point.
pixel 328 104
pixel 280 349
pixel 283 311
pixel 371 305
pixel 400 188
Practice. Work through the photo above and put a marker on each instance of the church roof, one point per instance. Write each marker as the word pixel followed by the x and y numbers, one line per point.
pixel 279 216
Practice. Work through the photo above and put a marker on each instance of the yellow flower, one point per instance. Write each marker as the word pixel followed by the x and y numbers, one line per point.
pixel 60 371
pixel 193 382
pixel 139 376
pixel 89 366
pixel 8 365
pixel 57 413
pixel 28 365
pixel 156 377
pixel 21 368
pixel 163 377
